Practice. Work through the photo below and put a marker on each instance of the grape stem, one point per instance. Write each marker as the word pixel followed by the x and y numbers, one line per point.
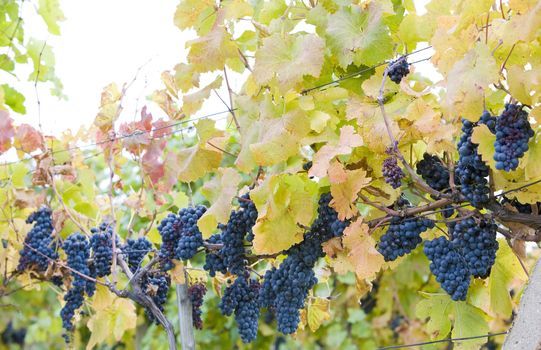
pixel 394 144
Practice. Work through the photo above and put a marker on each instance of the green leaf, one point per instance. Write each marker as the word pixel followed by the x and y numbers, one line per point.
pixel 359 35
pixel 469 322
pixel 188 12
pixel 436 308
pixel 52 14
pixel 14 99
pixel 288 58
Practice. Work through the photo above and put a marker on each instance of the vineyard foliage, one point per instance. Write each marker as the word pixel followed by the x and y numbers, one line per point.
pixel 345 199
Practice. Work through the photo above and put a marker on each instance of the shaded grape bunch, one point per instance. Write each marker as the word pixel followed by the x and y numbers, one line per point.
pixel 102 249
pixel 190 238
pixel 77 250
pixel 39 247
pixel 214 262
pixel 449 267
pixel 239 227
pixel 392 172
pixel 513 131
pixel 196 292
pixel 399 69
pixel 402 236
pixel 476 242
pixel 471 171
pixel 306 166
pixel 156 285
pixel 285 288
pixel 432 170
pixel 242 298
pixel 169 230
pixel 13 336
pixel 520 207
pixel 135 251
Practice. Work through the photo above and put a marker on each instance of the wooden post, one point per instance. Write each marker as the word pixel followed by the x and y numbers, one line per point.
pixel 185 317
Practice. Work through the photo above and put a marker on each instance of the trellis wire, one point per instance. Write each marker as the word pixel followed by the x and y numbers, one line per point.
pixel 441 341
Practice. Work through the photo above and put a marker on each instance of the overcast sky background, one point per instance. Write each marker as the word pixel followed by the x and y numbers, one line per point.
pixel 104 41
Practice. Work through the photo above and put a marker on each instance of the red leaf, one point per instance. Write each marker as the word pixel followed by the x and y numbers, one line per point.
pixel 138 133
pixel 6 131
pixel 152 164
pixel 28 139
pixel 161 128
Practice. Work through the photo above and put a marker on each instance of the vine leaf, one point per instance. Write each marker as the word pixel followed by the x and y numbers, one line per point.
pixel 483 137
pixel 210 52
pixel 192 103
pixel 347 141
pixel 110 108
pixel 6 131
pixel 51 13
pixel 467 320
pixel 468 80
pixel 111 322
pixel 532 168
pixel 317 312
pixel 505 269
pixel 359 35
pixel 219 191
pixel 191 163
pixel 283 203
pixel 361 248
pixel 288 58
pixel 345 189
pixel 188 12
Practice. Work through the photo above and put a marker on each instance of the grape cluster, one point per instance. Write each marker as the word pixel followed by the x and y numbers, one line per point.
pixel 513 131
pixel 392 172
pixel 242 298
pixel 448 266
pixel 402 236
pixel 190 237
pixel 306 166
pixel 196 292
pixel 476 243
pixel 285 288
pixel 77 250
pixel 13 336
pixel 39 247
pixel 169 230
pixel 489 120
pixel 135 251
pixel 433 172
pixel 102 249
pixel 399 69
pixel 231 257
pixel 156 285
pixel 471 171
pixel 214 261
pixel 520 207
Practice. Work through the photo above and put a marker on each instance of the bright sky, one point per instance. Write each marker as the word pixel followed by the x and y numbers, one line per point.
pixel 104 41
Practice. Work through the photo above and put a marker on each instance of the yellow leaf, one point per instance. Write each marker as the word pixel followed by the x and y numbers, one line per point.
pixel 178 273
pixel 111 323
pixel 485 139
pixel 210 52
pixel 345 193
pixel 188 12
pixel 225 186
pixel 317 313
pixel 109 109
pixel 361 248
pixel 192 103
pixel 348 140
pixel 531 159
pixel 283 202
pixel 289 58
pixel 103 298
pixel 468 80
